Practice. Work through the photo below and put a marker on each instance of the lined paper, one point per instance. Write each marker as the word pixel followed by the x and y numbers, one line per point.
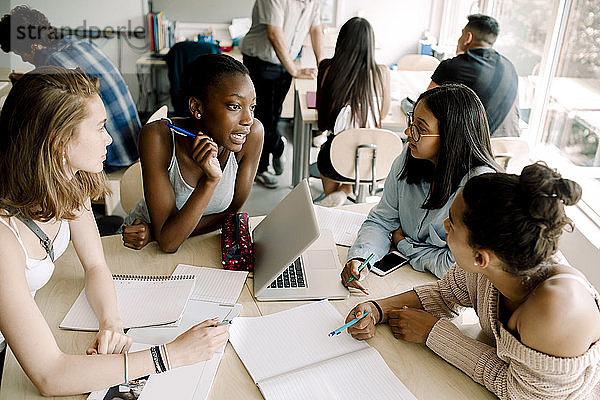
pixel 285 341
pixel 142 301
pixel 343 224
pixel 355 376
pixel 214 284
pixel 195 312
pixel 289 355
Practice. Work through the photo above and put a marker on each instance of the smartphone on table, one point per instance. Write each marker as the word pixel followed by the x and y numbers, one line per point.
pixel 390 262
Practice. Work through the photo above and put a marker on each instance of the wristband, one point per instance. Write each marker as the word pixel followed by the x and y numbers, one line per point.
pixel 378 309
pixel 126 361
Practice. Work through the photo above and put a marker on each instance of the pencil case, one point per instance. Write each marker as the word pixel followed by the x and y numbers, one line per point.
pixel 236 245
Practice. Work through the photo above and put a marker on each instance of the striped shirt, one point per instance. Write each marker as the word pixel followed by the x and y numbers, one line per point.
pixel 123 123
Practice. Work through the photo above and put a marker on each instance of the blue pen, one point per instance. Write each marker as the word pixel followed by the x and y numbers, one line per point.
pixel 341 328
pixel 362 266
pixel 179 130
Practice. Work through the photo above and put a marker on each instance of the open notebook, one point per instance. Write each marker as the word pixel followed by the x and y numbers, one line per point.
pixel 142 301
pixel 289 355
pixel 342 223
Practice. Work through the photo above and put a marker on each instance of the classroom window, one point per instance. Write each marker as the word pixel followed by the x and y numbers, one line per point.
pixel 555 47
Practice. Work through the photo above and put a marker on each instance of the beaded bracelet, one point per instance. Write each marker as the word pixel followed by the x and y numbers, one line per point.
pixel 159 365
pixel 378 309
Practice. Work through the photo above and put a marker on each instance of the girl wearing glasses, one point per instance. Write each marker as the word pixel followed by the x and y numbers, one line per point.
pixel 448 142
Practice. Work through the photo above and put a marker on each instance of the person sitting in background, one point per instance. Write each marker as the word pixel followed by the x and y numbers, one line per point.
pixel 28 33
pixel 191 184
pixel 448 142
pixel 491 75
pixel 541 318
pixel 53 141
pixel 352 92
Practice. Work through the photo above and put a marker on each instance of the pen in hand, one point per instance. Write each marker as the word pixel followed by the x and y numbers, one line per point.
pixel 183 132
pixel 341 328
pixel 224 322
pixel 362 266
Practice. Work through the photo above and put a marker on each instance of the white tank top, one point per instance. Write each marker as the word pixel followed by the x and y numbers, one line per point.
pixel 39 272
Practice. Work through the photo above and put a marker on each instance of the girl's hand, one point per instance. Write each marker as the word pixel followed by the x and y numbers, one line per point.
pixel 109 341
pixel 351 270
pixel 137 235
pixel 204 152
pixel 397 236
pixel 365 328
pixel 411 324
pixel 198 343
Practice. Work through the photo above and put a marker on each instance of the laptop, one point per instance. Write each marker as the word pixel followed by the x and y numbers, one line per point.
pixel 293 259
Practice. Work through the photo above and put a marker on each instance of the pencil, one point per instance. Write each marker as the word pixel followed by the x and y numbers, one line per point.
pixel 341 328
pixel 362 266
pixel 179 130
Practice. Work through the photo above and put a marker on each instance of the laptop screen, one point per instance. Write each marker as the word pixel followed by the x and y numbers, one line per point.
pixel 283 236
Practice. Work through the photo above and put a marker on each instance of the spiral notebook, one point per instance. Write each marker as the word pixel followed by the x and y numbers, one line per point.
pixel 142 301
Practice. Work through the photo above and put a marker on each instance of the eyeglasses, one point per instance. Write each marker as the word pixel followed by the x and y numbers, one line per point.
pixel 414 130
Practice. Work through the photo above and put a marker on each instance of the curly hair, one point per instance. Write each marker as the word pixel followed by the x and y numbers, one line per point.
pixel 519 218
pixel 24 27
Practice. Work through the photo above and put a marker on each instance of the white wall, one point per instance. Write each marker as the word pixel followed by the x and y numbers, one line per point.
pixel 398 24
pixel 219 11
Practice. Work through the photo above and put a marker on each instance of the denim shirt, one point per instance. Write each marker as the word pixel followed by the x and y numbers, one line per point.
pixel 425 238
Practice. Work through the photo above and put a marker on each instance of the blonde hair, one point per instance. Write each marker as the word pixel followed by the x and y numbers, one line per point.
pixel 41 115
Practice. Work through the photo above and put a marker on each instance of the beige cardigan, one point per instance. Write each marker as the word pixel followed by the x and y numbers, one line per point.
pixel 510 370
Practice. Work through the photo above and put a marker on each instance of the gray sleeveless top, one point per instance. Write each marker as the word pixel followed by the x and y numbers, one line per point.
pixel 220 200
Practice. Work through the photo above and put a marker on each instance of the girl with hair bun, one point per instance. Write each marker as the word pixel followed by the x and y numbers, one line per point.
pixel 542 317
pixel 191 184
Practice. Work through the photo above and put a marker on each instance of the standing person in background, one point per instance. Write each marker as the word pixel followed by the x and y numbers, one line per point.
pixel 491 75
pixel 28 33
pixel 269 49
pixel 352 92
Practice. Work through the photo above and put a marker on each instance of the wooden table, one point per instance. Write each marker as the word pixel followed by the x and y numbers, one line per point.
pixel 403 84
pixel 425 374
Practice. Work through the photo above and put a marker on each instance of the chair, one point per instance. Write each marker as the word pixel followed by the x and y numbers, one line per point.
pixel 180 55
pixel 161 113
pixel 131 187
pixel 511 152
pixel 365 156
pixel 417 62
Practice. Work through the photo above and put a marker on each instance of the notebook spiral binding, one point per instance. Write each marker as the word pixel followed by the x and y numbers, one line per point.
pixel 147 278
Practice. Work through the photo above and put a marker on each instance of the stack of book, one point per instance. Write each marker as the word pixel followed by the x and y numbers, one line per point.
pixel 161 32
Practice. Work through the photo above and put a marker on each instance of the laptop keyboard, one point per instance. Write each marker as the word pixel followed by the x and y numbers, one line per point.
pixel 292 277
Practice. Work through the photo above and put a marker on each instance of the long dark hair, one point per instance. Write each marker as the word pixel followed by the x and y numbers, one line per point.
pixel 352 77
pixel 464 143
pixel 519 218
